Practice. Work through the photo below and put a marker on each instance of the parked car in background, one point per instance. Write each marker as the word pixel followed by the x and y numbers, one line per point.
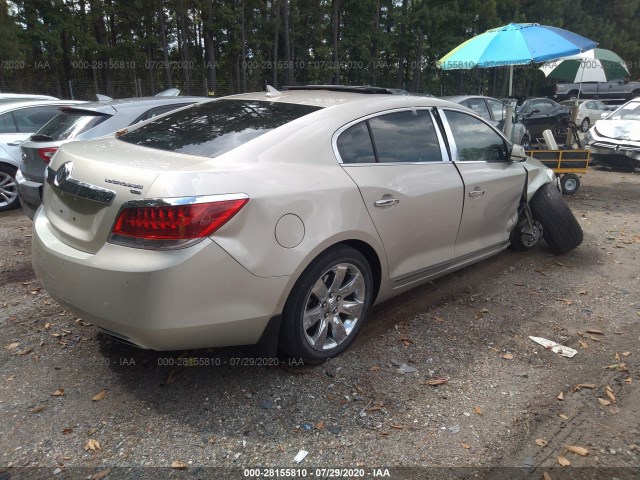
pixel 18 120
pixel 615 140
pixel 283 216
pixel 83 122
pixel 493 110
pixel 22 97
pixel 588 111
pixel 540 114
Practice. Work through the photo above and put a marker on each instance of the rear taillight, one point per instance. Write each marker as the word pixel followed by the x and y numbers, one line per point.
pixel 155 224
pixel 46 154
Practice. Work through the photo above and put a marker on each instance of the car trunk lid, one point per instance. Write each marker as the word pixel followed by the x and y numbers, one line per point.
pixel 88 183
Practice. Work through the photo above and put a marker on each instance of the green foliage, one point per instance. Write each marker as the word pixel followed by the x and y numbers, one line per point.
pixel 116 46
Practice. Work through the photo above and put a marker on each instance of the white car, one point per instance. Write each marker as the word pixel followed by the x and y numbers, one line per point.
pixel 589 111
pixel 615 140
pixel 283 216
pixel 18 120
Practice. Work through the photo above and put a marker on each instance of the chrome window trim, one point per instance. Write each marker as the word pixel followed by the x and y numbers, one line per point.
pixel 443 149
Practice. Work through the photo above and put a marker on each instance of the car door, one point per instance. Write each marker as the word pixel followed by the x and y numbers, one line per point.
pixel 411 189
pixel 493 184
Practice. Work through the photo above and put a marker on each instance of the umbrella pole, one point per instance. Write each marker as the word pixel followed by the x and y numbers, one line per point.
pixel 510 81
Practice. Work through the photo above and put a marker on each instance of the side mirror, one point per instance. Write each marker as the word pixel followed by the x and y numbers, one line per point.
pixel 605 114
pixel 517 153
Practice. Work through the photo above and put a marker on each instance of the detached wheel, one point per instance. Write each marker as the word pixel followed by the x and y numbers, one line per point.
pixel 327 305
pixel 570 183
pixel 584 126
pixel 523 237
pixel 562 232
pixel 8 188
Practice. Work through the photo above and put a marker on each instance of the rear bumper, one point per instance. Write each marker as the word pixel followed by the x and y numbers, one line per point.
pixel 196 297
pixel 30 194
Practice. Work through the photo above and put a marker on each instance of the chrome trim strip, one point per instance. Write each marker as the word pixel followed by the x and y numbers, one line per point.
pixel 78 189
pixel 173 201
pixel 440 268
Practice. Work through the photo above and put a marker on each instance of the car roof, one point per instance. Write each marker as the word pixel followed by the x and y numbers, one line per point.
pixel 7 107
pixel 121 104
pixel 332 98
pixel 460 98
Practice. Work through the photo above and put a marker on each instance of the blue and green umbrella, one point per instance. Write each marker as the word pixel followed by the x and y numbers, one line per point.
pixel 515 44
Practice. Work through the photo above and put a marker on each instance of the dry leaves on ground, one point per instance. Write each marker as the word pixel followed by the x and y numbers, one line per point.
pixel 92 445
pixel 99 396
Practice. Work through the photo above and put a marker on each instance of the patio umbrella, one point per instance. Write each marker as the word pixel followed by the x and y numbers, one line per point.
pixel 597 65
pixel 515 44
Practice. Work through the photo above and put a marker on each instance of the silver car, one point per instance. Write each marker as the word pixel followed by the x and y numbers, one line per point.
pixel 83 122
pixel 18 120
pixel 279 218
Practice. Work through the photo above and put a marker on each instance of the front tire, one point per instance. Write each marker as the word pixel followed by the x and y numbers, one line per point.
pixel 8 188
pixel 327 305
pixel 562 232
pixel 570 183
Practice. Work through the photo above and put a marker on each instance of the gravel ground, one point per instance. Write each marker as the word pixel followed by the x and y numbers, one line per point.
pixel 443 382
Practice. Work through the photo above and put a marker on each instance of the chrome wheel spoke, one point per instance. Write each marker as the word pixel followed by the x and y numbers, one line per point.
pixel 320 337
pixel 356 284
pixel 320 290
pixel 312 317
pixel 339 274
pixel 338 331
pixel 352 309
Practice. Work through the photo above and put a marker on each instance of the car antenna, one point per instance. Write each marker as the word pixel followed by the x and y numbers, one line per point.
pixel 103 98
pixel 272 92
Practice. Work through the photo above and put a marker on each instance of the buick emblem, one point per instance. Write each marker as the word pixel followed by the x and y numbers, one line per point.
pixel 63 173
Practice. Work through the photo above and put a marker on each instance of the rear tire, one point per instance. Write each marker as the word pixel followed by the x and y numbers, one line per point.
pixel 8 188
pixel 327 305
pixel 570 183
pixel 562 232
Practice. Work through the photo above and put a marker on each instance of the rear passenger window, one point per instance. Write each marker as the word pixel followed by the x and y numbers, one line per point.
pixel 354 145
pixel 401 137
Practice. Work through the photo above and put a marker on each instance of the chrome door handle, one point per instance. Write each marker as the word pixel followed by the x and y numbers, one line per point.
pixel 386 202
pixel 476 193
pixel 14 144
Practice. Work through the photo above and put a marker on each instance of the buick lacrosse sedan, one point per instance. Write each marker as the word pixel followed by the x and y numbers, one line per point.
pixel 281 217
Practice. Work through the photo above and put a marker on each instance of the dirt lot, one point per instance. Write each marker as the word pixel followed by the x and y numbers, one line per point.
pixel 75 405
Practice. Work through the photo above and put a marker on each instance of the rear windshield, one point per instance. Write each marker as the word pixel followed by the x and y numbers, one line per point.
pixel 71 123
pixel 213 128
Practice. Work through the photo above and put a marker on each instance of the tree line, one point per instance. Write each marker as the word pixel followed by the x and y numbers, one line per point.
pixel 77 48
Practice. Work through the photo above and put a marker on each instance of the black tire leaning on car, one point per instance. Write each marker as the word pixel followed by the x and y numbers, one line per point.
pixel 8 184
pixel 294 339
pixel 562 232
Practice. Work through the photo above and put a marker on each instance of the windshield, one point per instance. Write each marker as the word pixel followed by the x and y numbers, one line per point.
pixel 213 128
pixel 69 124
pixel 630 111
